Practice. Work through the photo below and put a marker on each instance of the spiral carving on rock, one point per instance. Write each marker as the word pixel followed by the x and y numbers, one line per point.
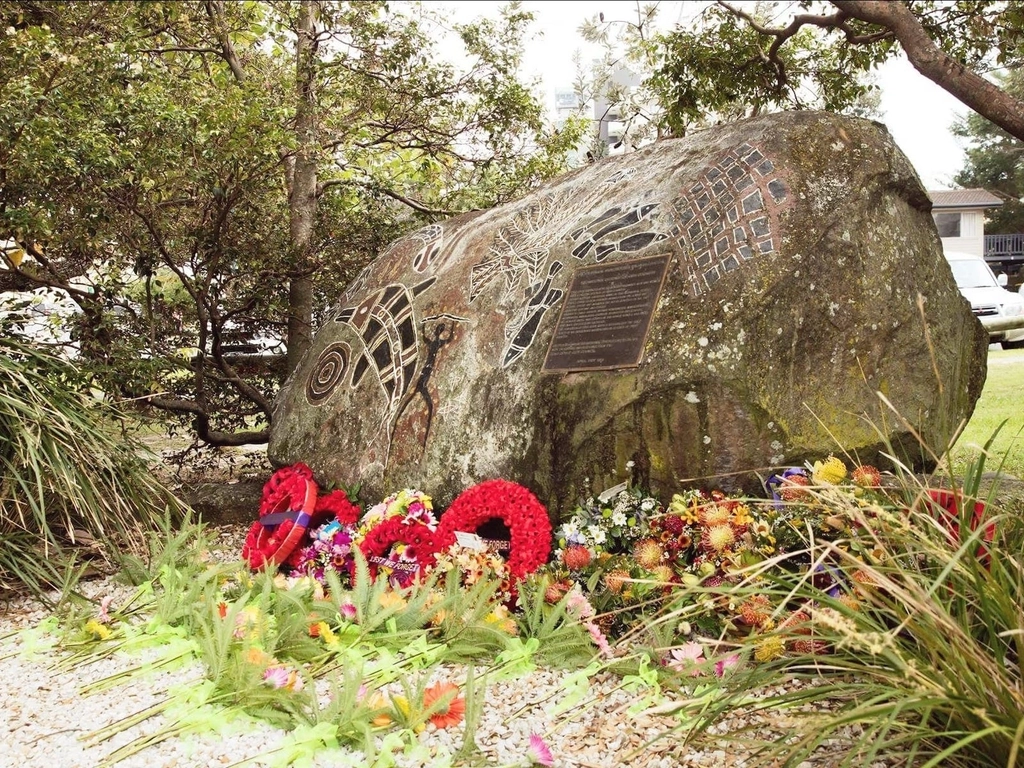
pixel 327 372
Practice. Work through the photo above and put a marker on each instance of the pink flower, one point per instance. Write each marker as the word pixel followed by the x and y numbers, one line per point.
pixel 282 677
pixel 104 617
pixel 348 611
pixel 725 663
pixel 538 752
pixel 687 658
pixel 579 605
pixel 599 639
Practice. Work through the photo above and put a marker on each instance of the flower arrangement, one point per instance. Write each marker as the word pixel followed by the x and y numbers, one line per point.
pixel 408 504
pixel 286 509
pixel 330 540
pixel 814 503
pixel 330 549
pixel 610 522
pixel 707 534
pixel 468 566
pixel 398 536
pixel 515 509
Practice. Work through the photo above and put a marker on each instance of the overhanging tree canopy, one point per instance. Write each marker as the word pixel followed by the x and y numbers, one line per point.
pixel 195 174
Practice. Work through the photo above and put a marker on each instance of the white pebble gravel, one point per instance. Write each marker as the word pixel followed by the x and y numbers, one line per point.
pixel 49 721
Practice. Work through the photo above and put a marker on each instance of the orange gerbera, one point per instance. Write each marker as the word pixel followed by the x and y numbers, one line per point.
pixel 444 700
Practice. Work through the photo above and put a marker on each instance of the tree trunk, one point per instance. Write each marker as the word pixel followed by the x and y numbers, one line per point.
pixel 302 197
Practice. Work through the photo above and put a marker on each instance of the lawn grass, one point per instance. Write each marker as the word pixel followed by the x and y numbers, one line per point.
pixel 1000 401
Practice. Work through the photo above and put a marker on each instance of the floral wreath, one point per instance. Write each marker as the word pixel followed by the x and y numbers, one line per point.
pixel 514 505
pixel 417 548
pixel 333 509
pixel 286 510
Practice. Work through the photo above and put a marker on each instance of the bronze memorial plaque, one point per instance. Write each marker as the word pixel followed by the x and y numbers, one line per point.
pixel 606 316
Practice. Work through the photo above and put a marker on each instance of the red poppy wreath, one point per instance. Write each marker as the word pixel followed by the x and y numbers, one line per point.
pixel 401 547
pixel 289 499
pixel 516 507
pixel 945 507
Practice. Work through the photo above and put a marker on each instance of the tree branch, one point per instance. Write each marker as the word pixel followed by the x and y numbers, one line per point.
pixel 215 10
pixel 970 88
pixel 201 423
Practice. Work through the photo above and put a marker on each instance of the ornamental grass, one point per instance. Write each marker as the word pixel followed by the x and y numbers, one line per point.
pixel 910 652
pixel 67 475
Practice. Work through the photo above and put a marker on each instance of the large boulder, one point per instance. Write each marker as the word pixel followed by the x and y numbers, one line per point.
pixel 760 294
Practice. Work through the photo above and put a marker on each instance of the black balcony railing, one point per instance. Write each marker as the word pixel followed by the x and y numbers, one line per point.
pixel 1004 247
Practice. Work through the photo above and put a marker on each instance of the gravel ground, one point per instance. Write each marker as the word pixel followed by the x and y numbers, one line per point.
pixel 51 720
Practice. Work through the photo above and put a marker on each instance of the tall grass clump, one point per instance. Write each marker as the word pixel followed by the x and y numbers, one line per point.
pixel 914 653
pixel 66 473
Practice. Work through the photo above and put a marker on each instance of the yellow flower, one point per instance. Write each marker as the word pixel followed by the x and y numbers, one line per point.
pixel 391 599
pixel 258 657
pixel 247 622
pixel 832 471
pixel 93 627
pixel 741 515
pixel 499 617
pixel 680 506
pixel 770 648
pixel 402 705
pixel 326 633
pixel 382 719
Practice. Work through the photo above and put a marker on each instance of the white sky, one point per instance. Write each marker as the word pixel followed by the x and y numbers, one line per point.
pixel 917 112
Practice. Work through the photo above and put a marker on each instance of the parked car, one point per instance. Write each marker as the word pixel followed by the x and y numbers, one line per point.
pixel 991 303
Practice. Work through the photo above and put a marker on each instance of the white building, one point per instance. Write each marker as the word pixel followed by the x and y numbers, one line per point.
pixel 959 216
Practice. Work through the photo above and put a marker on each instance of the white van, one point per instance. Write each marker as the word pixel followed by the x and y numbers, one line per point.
pixel 990 301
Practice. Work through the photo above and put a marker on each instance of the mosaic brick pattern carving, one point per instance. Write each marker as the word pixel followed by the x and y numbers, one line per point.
pixel 730 216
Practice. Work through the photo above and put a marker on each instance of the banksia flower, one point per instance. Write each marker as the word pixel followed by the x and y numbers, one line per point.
pixel 815 647
pixel 832 471
pixel 718 538
pixel 648 553
pixel 663 573
pixel 715 514
pixel 850 601
pixel 756 610
pixel 798 621
pixel 615 580
pixel 556 591
pixel 866 476
pixel 793 487
pixel 576 557
pixel 770 648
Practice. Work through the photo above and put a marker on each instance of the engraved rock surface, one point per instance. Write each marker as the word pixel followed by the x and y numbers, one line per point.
pixel 802 278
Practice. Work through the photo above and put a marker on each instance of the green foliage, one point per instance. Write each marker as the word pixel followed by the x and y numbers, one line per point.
pixel 725 67
pixel 150 151
pixel 915 659
pixel 999 403
pixel 65 472
pixel 992 159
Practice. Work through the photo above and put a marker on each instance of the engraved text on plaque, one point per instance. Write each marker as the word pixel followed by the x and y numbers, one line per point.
pixel 606 316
